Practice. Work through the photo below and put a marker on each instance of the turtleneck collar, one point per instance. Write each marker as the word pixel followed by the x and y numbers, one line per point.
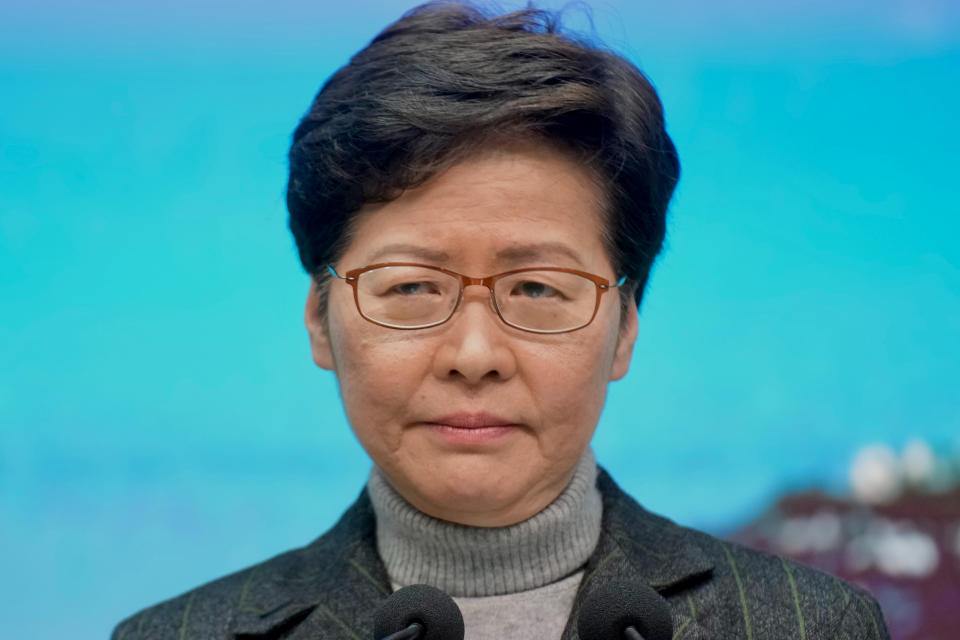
pixel 479 561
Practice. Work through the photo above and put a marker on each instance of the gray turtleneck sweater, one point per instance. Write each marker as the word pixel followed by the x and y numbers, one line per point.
pixel 510 582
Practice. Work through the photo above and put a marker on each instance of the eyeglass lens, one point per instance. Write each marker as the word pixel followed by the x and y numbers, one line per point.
pixel 412 297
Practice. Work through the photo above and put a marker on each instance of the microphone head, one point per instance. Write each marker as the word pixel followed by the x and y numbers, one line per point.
pixel 431 607
pixel 612 607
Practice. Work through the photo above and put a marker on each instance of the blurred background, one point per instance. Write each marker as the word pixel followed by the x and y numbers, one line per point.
pixel 162 423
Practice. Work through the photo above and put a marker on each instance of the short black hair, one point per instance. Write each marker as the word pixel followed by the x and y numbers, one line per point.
pixel 448 78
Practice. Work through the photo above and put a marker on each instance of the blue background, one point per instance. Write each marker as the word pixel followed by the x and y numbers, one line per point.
pixel 161 422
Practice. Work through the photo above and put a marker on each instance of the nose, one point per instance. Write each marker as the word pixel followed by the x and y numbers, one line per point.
pixel 476 343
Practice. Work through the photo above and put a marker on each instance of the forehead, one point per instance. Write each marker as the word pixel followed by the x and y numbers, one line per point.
pixel 500 207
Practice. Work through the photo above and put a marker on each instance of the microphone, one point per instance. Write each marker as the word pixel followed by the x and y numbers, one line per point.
pixel 418 612
pixel 624 610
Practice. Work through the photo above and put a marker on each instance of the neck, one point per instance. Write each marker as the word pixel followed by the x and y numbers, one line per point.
pixel 483 561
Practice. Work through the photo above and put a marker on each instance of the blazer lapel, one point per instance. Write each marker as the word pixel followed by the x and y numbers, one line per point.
pixel 329 589
pixel 639 545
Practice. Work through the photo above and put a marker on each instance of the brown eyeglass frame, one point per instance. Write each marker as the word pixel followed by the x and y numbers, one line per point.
pixel 352 277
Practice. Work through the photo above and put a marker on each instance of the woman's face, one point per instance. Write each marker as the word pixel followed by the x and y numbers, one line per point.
pixel 473 421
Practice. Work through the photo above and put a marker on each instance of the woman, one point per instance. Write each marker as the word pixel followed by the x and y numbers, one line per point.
pixel 479 201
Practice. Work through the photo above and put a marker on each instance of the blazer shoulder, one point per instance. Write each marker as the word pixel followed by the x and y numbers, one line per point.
pixel 735 590
pixel 772 591
pixel 208 607
pixel 266 588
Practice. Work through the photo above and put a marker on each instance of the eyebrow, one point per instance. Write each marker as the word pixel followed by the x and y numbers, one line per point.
pixel 538 250
pixel 511 255
pixel 416 251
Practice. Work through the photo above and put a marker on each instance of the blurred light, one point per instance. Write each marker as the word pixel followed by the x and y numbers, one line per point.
pixel 875 474
pixel 918 462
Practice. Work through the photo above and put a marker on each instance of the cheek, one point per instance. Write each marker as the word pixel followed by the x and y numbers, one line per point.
pixel 569 383
pixel 378 380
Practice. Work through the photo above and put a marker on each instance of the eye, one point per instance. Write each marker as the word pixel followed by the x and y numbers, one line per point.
pixel 414 288
pixel 533 289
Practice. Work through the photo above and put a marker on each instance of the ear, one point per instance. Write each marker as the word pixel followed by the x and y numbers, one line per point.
pixel 317 329
pixel 625 341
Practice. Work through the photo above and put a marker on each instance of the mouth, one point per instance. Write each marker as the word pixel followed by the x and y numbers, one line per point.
pixel 464 420
pixel 471 428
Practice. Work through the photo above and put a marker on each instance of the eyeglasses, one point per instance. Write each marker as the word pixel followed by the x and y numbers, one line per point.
pixel 406 295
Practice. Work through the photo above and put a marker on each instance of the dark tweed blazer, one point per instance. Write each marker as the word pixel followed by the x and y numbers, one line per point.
pixel 331 588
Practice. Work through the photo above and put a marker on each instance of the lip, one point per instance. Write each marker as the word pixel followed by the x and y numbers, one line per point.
pixel 465 420
pixel 471 428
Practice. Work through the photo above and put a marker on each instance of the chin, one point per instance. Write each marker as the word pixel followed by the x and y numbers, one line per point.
pixel 477 509
pixel 479 500
pixel 477 489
